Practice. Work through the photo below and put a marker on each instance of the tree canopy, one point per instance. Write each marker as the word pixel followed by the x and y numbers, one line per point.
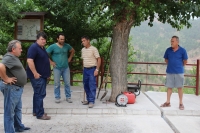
pixel 10 11
pixel 103 18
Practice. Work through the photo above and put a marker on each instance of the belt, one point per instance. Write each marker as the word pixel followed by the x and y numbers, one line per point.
pixel 13 84
pixel 17 85
pixel 90 67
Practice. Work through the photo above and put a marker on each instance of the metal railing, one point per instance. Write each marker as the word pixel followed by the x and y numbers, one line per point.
pixel 196 87
pixel 103 72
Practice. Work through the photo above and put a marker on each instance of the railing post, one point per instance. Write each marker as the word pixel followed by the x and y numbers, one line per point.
pixel 146 76
pixel 197 77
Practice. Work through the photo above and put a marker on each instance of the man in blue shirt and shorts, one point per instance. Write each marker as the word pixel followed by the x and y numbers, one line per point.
pixel 176 58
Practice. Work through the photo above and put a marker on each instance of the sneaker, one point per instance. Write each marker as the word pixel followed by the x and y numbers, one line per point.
pixel 91 105
pixel 85 102
pixel 69 100
pixel 22 130
pixel 57 100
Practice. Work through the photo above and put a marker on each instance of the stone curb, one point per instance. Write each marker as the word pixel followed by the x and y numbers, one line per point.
pixel 93 111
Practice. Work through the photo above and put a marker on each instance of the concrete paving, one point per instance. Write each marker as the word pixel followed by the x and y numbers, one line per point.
pixel 76 108
pixel 183 121
pixel 191 103
pixel 185 124
pixel 142 117
pixel 96 124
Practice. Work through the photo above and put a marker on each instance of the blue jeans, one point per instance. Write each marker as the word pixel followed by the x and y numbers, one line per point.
pixel 39 88
pixel 12 107
pixel 65 73
pixel 89 81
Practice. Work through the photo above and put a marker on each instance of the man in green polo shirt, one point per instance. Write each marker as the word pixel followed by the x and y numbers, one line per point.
pixel 59 60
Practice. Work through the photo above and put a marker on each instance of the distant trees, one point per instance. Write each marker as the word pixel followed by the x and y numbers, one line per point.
pixel 111 18
pixel 155 44
pixel 9 13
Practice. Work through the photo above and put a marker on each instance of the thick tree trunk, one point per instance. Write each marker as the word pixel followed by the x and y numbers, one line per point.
pixel 119 58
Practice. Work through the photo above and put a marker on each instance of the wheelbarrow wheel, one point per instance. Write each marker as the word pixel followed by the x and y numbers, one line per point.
pixel 137 93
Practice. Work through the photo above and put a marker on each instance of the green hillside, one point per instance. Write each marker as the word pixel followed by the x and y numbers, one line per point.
pixel 153 41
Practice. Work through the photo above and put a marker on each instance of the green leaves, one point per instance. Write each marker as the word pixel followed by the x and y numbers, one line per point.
pixel 178 14
pixel 9 13
pixel 96 18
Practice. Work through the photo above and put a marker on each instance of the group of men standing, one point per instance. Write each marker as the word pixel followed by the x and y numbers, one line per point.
pixel 14 76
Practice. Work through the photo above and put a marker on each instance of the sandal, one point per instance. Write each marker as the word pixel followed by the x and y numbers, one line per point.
pixel 181 107
pixel 165 105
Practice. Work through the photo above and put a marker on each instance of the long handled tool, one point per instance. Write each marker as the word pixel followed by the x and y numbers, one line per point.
pixel 84 95
pixel 103 81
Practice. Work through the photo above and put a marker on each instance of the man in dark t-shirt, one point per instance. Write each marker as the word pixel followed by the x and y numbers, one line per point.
pixel 38 71
pixel 13 78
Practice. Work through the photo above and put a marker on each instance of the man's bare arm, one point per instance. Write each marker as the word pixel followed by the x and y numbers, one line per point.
pixel 4 77
pixel 166 60
pixel 72 51
pixel 52 63
pixel 98 63
pixel 98 66
pixel 184 62
pixel 32 67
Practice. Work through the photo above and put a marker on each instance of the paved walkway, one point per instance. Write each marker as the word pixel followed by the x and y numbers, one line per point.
pixel 142 117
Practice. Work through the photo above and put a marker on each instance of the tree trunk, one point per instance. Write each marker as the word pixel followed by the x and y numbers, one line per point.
pixel 119 58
